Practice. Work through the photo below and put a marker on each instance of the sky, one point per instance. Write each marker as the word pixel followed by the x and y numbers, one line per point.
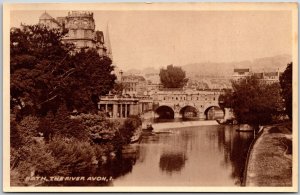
pixel 142 39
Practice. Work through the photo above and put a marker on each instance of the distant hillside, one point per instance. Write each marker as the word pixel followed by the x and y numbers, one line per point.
pixel 226 69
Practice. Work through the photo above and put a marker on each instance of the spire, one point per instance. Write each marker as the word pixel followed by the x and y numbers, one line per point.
pixel 107 43
pixel 45 16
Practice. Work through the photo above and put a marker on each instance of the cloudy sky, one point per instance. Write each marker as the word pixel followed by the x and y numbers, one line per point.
pixel 141 39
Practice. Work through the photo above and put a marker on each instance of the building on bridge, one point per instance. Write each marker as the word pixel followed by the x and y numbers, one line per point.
pixel 179 103
pixel 167 104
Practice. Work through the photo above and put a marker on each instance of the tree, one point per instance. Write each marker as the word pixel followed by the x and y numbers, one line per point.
pixel 61 124
pixel 225 99
pixel 173 77
pixel 92 77
pixel 46 73
pixel 287 89
pixel 255 102
pixel 36 55
pixel 118 88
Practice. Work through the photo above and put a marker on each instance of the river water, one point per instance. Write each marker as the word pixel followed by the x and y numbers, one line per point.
pixel 212 155
pixel 190 156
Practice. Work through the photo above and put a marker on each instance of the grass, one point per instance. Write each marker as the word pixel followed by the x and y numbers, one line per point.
pixel 270 161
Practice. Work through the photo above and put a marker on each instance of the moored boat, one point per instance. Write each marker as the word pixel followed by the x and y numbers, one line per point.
pixel 148 127
pixel 245 128
pixel 137 135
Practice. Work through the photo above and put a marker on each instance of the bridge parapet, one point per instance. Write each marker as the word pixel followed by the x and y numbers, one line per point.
pixel 201 101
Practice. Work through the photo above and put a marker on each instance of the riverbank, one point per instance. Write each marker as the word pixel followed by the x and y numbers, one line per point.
pixel 270 158
pixel 179 124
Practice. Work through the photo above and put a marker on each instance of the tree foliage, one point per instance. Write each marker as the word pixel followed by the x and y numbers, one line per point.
pixel 46 73
pixel 49 80
pixel 127 130
pixel 287 88
pixel 173 77
pixel 61 124
pixel 225 100
pixel 255 102
pixel 73 157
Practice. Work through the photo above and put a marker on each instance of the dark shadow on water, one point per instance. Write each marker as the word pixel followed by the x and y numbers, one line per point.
pixel 172 162
pixel 236 146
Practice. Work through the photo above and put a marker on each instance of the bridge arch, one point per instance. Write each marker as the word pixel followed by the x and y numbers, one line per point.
pixel 189 112
pixel 214 112
pixel 165 112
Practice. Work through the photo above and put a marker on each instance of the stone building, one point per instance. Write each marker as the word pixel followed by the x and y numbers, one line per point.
pixel 134 85
pixel 122 107
pixel 241 73
pixel 267 77
pixel 81 30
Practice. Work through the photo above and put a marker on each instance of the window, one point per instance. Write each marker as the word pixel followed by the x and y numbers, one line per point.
pixel 75 33
pixel 86 34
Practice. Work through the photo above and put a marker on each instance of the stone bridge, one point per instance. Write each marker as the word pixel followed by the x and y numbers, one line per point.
pixel 168 104
pixel 187 104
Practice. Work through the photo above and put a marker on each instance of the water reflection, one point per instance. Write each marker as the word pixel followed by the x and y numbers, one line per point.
pixel 172 162
pixel 234 145
pixel 190 156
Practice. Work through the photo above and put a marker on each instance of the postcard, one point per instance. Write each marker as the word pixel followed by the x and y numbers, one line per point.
pixel 150 97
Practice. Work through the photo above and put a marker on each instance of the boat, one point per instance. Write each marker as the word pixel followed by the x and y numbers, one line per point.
pixel 136 136
pixel 245 128
pixel 148 127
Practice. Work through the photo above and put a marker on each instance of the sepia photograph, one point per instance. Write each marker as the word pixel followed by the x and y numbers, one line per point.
pixel 150 97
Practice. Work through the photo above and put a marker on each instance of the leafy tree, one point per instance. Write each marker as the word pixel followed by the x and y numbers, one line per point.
pixel 126 131
pixel 90 78
pixel 46 73
pixel 254 102
pixel 99 128
pixel 173 77
pixel 287 89
pixel 118 88
pixel 73 157
pixel 35 54
pixel 225 99
pixel 61 124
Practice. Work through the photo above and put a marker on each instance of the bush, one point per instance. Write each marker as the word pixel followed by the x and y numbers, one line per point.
pixel 62 125
pixel 27 128
pixel 98 127
pixel 34 157
pixel 72 156
pixel 126 131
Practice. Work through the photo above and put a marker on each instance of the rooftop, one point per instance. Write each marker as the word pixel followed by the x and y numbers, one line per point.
pixel 46 16
pixel 241 70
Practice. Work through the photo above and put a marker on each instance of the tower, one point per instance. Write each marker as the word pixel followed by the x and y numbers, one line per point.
pixel 81 31
pixel 81 26
pixel 107 43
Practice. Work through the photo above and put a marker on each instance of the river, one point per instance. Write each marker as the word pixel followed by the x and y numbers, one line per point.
pixel 212 155
pixel 189 156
